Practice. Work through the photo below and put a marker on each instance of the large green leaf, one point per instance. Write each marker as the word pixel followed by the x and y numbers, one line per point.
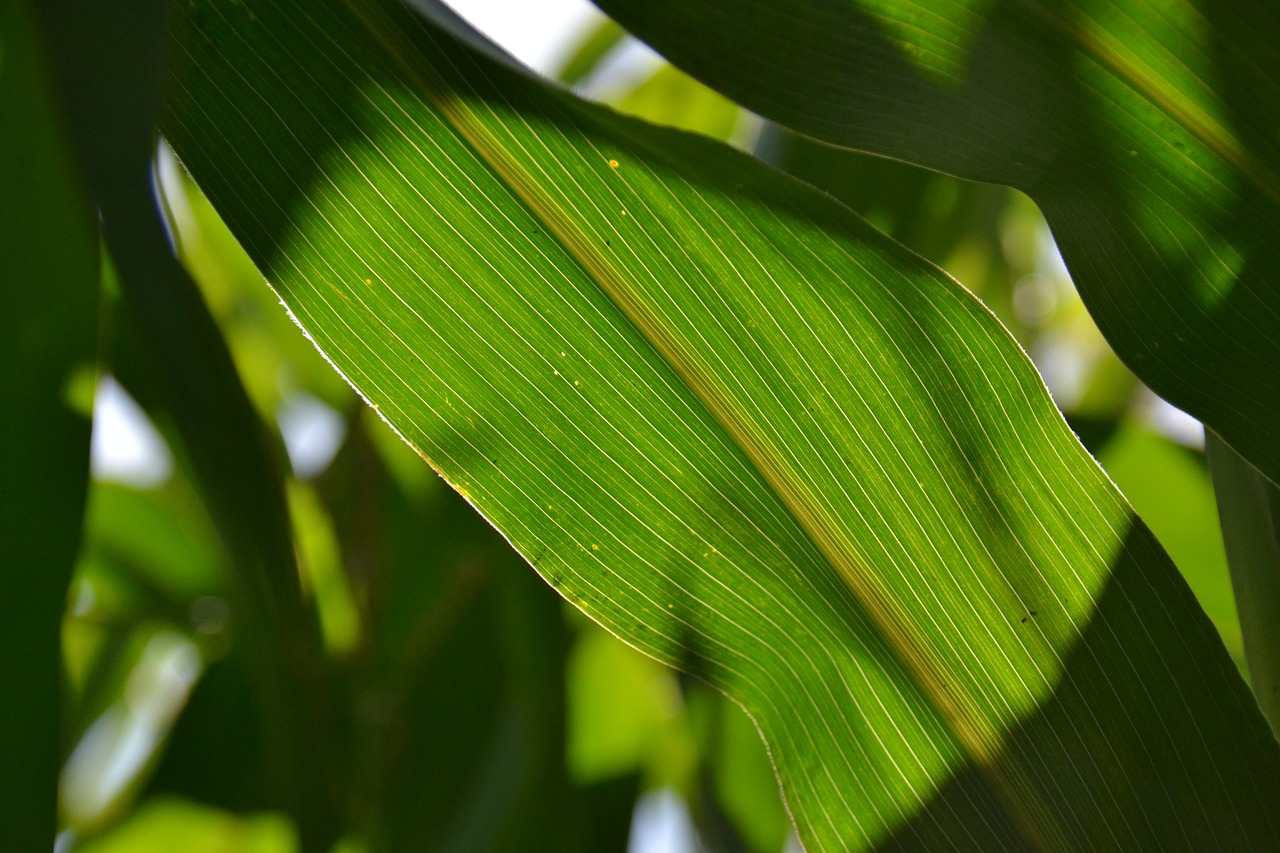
pixel 739 428
pixel 1147 133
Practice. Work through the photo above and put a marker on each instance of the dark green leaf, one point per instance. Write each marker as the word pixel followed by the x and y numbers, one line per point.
pixel 110 58
pixel 460 711
pixel 48 322
pixel 1170 488
pixel 1249 506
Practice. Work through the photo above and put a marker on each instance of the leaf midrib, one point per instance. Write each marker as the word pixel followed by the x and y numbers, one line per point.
pixel 1130 70
pixel 973 732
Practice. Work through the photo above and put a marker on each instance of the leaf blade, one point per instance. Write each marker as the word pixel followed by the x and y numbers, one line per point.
pixel 48 331
pixel 1147 142
pixel 620 343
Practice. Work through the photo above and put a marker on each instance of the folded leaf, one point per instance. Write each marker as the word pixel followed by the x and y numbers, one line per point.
pixel 739 428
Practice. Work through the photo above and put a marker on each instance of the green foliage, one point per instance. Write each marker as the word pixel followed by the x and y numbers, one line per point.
pixel 741 420
pixel 47 343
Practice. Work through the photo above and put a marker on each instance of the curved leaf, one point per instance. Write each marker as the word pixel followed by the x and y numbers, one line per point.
pixel 739 428
pixel 1146 132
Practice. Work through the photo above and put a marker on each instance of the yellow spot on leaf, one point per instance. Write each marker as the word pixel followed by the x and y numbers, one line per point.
pixel 368 281
pixel 613 163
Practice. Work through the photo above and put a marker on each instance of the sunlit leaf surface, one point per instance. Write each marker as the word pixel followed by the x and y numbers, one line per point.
pixel 1146 132
pixel 739 428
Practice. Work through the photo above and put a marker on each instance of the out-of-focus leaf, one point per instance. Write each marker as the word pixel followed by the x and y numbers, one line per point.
pixel 167 824
pixel 48 323
pixel 218 750
pixel 590 51
pixel 737 426
pixel 151 565
pixel 620 705
pixel 742 779
pixel 1146 132
pixel 160 535
pixel 111 757
pixel 323 573
pixel 460 706
pixel 673 98
pixel 608 807
pixel 110 58
pixel 405 548
pixel 517 796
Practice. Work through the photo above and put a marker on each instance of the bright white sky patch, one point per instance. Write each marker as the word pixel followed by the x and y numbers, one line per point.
pixel 126 448
pixel 312 433
pixel 534 31
pixel 1170 421
pixel 662 825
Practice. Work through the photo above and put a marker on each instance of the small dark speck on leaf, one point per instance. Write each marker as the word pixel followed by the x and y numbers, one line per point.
pixel 1033 613
pixel 607 243
pixel 1024 619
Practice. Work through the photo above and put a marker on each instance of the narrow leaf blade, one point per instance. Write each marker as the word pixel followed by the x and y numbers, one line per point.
pixel 48 325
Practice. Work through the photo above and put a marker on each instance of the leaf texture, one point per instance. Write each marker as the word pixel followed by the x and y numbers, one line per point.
pixel 737 427
pixel 1146 132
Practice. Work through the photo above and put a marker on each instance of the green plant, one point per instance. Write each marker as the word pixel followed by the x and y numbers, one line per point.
pixel 719 412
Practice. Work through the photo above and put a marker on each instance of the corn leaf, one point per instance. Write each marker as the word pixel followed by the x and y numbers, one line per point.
pixel 737 427
pixel 1146 132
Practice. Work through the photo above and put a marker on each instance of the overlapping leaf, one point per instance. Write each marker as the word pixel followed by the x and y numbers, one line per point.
pixel 1147 133
pixel 737 427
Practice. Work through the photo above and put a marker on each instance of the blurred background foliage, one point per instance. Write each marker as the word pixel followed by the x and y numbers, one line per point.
pixel 472 709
